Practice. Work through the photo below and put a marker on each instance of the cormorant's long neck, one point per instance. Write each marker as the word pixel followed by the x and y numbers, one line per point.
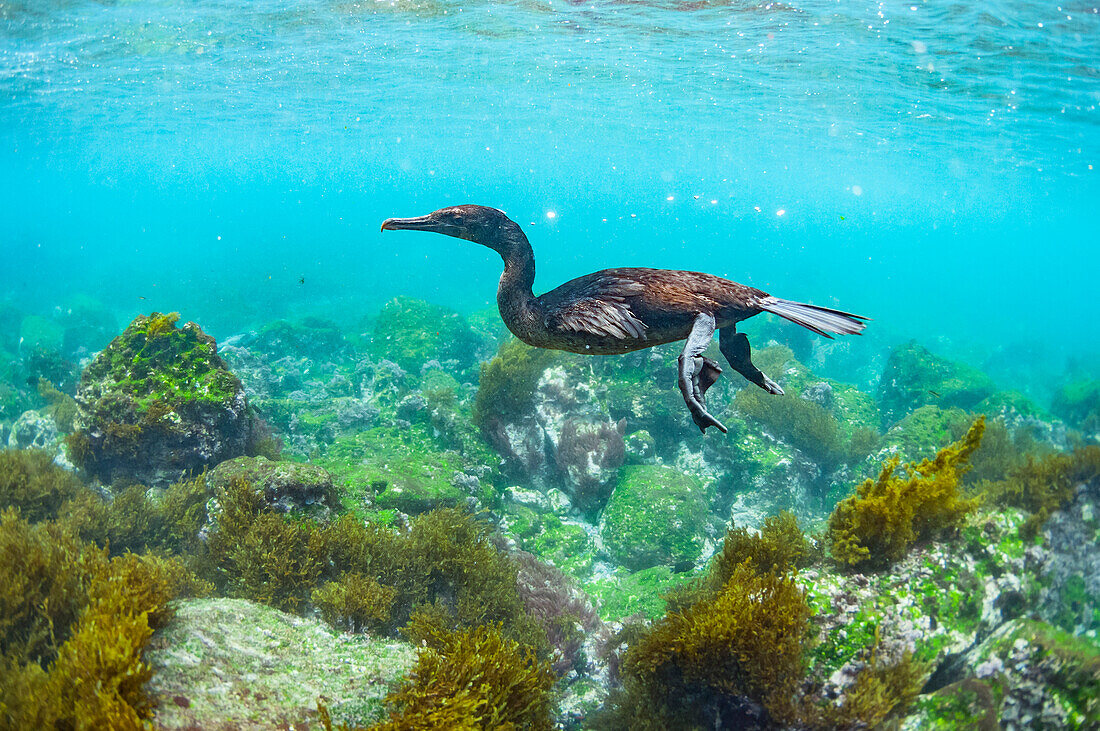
pixel 518 307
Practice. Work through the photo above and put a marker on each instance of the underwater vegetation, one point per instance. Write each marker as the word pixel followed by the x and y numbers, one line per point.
pixel 412 332
pixel 467 679
pixel 902 505
pixel 474 678
pixel 654 517
pixel 1079 404
pixel 732 645
pixel 31 482
pixel 443 571
pixel 728 656
pixel 808 426
pixel 133 519
pixel 405 468
pixel 73 624
pixel 62 407
pixel 375 534
pixel 914 377
pixel 507 384
pixel 365 574
pixel 1045 484
pixel 779 546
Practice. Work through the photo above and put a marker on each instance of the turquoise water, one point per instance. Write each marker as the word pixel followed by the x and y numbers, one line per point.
pixel 933 165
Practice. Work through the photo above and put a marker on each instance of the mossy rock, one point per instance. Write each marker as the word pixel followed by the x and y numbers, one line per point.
pixel 1079 404
pixel 1011 405
pixel 914 377
pixel 967 704
pixel 638 593
pixel 922 433
pixel 159 402
pixel 229 663
pixel 853 409
pixel 565 544
pixel 411 332
pixel 311 337
pixel 287 486
pixel 400 468
pixel 656 516
pixel 37 332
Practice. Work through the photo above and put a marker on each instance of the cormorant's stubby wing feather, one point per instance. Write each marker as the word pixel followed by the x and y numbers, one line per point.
pixel 598 304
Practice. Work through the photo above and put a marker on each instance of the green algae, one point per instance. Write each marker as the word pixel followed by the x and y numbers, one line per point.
pixel 970 704
pixel 918 434
pixel 640 593
pixel 159 386
pixel 154 362
pixel 913 377
pixel 1078 403
pixel 411 332
pixel 399 468
pixel 506 387
pixel 655 516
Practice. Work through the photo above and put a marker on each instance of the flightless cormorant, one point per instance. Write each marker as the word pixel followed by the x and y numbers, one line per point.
pixel 620 310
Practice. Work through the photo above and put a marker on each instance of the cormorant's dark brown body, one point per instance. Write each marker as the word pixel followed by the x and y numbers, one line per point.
pixel 663 302
pixel 619 310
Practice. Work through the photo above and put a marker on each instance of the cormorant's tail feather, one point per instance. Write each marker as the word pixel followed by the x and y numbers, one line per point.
pixel 821 320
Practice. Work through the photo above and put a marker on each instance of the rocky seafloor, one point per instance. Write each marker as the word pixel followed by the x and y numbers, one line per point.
pixel 334 519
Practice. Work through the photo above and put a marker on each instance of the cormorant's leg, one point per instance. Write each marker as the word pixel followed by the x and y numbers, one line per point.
pixel 735 346
pixel 697 373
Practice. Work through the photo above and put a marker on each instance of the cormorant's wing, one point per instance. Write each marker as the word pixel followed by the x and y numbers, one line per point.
pixel 597 304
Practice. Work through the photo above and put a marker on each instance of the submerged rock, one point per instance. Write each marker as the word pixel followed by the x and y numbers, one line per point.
pixel 656 516
pixel 412 332
pixel 1026 674
pixel 232 664
pixel 1070 597
pixel 914 377
pixel 589 454
pixel 287 486
pixel 32 430
pixel 405 469
pixel 157 403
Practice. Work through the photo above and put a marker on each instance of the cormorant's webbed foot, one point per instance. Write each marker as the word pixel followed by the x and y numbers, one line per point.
pixel 698 373
pixel 735 346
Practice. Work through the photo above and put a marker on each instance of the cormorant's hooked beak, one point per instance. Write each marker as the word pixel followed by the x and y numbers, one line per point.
pixel 421 223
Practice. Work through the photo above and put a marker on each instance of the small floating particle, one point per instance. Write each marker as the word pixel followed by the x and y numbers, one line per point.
pixel 781 212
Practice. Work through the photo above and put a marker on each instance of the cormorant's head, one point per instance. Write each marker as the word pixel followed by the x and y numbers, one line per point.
pixel 480 224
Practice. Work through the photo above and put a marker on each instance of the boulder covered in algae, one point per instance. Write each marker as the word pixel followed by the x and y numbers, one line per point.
pixel 232 664
pixel 157 403
pixel 288 487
